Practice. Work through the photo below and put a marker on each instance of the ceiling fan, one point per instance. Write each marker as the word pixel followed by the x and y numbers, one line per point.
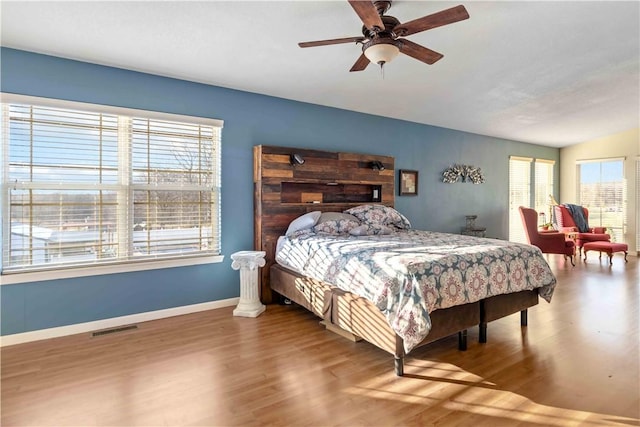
pixel 382 38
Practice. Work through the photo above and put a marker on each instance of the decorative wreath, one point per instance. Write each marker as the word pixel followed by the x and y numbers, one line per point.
pixel 452 174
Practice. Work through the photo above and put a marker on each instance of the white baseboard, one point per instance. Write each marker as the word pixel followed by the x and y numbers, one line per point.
pixel 78 328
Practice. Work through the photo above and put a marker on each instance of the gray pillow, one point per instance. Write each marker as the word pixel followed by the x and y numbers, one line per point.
pixel 336 216
pixel 335 223
pixel 371 230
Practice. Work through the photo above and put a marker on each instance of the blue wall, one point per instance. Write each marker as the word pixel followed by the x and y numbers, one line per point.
pixel 249 119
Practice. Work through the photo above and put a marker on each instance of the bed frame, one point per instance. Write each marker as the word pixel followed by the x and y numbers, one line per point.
pixel 334 182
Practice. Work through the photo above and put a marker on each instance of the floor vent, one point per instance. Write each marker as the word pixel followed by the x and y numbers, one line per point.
pixel 113 330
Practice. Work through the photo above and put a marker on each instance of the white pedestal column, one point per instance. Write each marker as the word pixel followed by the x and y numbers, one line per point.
pixel 248 263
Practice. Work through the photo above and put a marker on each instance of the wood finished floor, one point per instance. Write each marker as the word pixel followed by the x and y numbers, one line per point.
pixel 576 364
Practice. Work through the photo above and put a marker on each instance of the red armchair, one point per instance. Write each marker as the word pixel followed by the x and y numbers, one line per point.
pixel 566 224
pixel 549 242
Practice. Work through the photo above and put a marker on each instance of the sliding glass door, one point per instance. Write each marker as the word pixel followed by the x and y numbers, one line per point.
pixel 602 189
pixel 530 185
pixel 519 195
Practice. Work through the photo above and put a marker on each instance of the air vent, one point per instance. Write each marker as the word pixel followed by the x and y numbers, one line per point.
pixel 113 330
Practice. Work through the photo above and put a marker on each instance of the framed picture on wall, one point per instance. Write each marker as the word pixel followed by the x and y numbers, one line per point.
pixel 408 183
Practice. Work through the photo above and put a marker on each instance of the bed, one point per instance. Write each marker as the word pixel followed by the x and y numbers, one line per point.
pixel 398 288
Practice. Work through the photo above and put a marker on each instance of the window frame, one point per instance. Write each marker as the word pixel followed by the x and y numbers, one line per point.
pixel 541 204
pixel 529 183
pixel 638 205
pixel 521 169
pixel 121 265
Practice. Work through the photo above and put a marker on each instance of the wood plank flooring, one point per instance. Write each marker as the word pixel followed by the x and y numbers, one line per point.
pixel 577 363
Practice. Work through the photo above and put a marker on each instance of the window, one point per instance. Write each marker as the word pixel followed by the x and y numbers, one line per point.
pixel 602 189
pixel 543 188
pixel 528 192
pixel 519 195
pixel 92 185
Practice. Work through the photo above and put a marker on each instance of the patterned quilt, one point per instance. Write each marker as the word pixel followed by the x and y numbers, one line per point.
pixel 409 274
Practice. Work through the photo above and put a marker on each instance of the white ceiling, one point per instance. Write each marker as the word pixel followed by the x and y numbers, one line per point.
pixel 551 73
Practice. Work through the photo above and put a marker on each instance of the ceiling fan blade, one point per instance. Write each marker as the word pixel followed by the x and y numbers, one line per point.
pixel 438 19
pixel 332 41
pixel 368 13
pixel 360 64
pixel 418 52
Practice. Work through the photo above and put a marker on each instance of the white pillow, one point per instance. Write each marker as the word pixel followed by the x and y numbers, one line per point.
pixel 307 220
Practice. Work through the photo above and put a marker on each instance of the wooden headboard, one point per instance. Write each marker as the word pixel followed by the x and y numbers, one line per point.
pixel 326 181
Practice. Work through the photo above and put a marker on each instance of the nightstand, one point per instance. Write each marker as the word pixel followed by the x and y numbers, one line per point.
pixel 471 229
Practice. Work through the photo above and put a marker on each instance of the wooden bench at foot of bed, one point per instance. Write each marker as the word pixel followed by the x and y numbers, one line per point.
pixel 362 318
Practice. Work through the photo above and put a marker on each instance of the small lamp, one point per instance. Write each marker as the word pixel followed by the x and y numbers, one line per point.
pixel 296 159
pixel 376 165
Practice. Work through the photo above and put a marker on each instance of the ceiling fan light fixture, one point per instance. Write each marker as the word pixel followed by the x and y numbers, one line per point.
pixel 381 53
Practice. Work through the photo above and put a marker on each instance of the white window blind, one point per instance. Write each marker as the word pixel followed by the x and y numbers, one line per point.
pixel 543 188
pixel 95 187
pixel 519 195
